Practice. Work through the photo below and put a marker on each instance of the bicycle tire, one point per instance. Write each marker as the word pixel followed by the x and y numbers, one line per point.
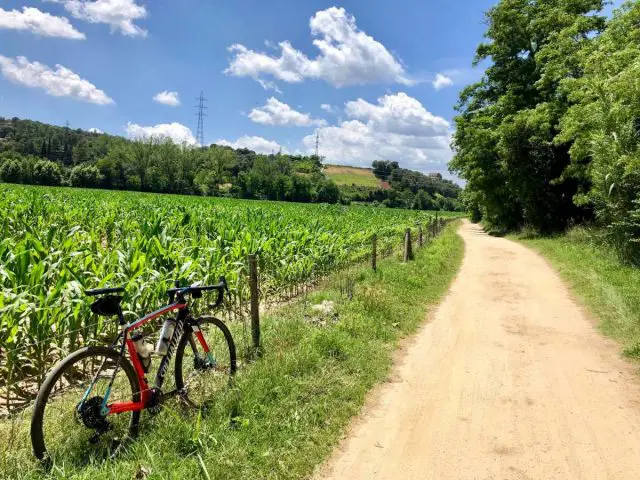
pixel 37 433
pixel 184 342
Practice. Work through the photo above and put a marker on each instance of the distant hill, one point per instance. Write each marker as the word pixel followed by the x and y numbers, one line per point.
pixel 357 176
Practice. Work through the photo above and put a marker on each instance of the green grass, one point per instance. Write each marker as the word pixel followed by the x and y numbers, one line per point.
pixel 292 406
pixel 608 289
pixel 351 176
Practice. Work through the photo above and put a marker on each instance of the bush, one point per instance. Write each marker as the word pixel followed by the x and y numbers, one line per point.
pixel 11 171
pixel 85 176
pixel 46 172
pixel 328 192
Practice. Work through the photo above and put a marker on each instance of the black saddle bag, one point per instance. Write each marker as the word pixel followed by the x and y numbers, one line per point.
pixel 106 306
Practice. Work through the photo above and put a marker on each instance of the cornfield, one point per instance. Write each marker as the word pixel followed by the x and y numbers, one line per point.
pixel 57 242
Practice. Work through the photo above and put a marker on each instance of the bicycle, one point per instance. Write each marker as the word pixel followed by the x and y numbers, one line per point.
pixel 104 392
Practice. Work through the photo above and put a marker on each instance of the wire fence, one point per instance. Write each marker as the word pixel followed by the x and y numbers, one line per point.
pixel 25 363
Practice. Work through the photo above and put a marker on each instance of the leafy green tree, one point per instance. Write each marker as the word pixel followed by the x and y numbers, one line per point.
pixel 383 168
pixel 46 172
pixel 604 128
pixel 11 171
pixel 80 152
pixel 85 176
pixel 328 192
pixel 506 131
pixel 302 189
pixel 422 201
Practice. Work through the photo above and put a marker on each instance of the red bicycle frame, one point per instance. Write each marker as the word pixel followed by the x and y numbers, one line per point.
pixel 145 390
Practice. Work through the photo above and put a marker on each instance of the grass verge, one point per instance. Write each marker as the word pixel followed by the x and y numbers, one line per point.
pixel 291 407
pixel 608 289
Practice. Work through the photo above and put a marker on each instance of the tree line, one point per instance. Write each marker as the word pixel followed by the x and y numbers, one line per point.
pixel 407 189
pixel 550 136
pixel 37 153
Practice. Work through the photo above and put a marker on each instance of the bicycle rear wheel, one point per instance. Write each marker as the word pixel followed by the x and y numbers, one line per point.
pixel 67 424
pixel 205 361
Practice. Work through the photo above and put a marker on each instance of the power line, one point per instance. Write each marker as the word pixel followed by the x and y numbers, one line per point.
pixel 200 113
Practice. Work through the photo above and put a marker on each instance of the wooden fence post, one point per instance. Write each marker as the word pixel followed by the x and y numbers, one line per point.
pixel 255 302
pixel 408 254
pixel 420 239
pixel 374 252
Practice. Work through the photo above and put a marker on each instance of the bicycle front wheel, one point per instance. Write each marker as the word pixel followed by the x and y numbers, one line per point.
pixel 68 422
pixel 205 361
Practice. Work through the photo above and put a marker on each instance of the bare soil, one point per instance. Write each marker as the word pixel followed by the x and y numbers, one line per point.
pixel 510 380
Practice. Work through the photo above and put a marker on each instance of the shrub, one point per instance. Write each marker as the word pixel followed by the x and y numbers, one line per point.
pixel 85 176
pixel 328 192
pixel 46 172
pixel 11 171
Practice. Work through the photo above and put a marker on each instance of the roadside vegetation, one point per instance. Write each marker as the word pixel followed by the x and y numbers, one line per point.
pixel 608 289
pixel 550 136
pixel 289 408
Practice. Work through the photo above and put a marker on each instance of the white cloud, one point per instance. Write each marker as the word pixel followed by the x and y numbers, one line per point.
pixel 60 82
pixel 167 98
pixel 176 132
pixel 398 113
pixel 397 127
pixel 329 108
pixel 95 130
pixel 118 14
pixel 278 113
pixel 348 56
pixel 441 81
pixel 257 144
pixel 40 23
pixel 268 85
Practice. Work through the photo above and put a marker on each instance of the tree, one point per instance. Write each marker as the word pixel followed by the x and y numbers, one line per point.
pixel 46 172
pixel 383 168
pixel 159 165
pixel 80 152
pixel 505 140
pixel 602 128
pixel 11 171
pixel 328 192
pixel 422 201
pixel 85 176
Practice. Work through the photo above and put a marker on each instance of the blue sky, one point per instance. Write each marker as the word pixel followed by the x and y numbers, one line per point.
pixel 373 66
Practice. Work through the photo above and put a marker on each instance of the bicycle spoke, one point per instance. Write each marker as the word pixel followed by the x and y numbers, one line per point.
pixel 204 374
pixel 73 426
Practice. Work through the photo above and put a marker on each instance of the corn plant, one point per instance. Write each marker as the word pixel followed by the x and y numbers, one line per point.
pixel 56 242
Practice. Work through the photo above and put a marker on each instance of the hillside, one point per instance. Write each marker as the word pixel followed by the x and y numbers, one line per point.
pixel 357 176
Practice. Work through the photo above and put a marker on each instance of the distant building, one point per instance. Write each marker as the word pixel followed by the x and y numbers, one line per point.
pixel 435 175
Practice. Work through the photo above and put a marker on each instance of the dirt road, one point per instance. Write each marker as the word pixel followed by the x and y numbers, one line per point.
pixel 510 380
